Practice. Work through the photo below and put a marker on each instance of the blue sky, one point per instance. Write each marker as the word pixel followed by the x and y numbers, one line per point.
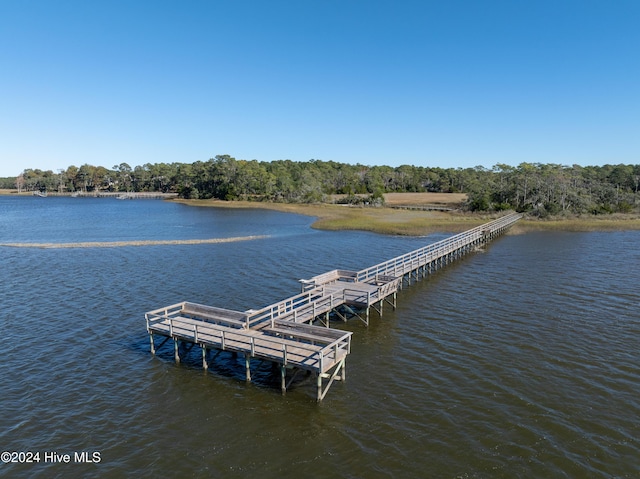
pixel 449 83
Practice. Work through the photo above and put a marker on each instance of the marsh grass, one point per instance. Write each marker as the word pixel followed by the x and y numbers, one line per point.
pixel 416 223
pixel 377 220
pixel 580 223
pixel 396 222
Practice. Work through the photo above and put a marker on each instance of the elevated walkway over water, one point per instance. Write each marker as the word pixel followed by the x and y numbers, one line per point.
pixel 294 333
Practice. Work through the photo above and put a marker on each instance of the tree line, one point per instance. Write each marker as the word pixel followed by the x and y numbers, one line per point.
pixel 541 189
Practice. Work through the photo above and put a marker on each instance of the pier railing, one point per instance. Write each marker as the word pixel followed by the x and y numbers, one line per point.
pixel 305 346
pixel 161 314
pixel 293 308
pixel 401 265
pixel 208 314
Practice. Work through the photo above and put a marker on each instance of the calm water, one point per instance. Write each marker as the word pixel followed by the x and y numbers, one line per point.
pixel 519 361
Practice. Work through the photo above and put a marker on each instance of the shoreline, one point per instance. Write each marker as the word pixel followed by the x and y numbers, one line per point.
pixel 415 222
pixel 391 221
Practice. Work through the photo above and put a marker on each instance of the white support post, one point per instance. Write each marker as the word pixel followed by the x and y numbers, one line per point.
pixel 283 375
pixel 153 346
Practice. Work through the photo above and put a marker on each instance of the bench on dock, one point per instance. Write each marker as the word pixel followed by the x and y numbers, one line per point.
pixel 305 332
pixel 199 312
pixel 328 278
pixel 210 314
pixel 195 330
pixel 382 279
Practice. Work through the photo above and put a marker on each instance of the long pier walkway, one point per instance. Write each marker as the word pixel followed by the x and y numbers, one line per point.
pixel 294 333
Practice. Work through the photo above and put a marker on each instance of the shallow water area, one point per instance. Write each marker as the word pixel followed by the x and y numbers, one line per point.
pixel 519 360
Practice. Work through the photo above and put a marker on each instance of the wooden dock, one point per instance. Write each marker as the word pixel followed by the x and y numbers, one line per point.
pixel 294 333
pixel 423 207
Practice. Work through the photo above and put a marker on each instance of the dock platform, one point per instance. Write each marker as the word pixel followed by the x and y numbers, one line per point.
pixel 294 333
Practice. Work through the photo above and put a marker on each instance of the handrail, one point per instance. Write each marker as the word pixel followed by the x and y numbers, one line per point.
pixel 248 340
pixel 166 308
pixel 459 240
pixel 286 306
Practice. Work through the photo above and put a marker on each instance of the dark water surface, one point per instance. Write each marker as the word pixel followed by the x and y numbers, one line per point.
pixel 522 360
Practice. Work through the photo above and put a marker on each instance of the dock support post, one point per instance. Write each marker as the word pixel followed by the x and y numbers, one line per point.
pixel 283 374
pixel 319 387
pixel 205 364
pixel 176 349
pixel 153 346
pixel 247 365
